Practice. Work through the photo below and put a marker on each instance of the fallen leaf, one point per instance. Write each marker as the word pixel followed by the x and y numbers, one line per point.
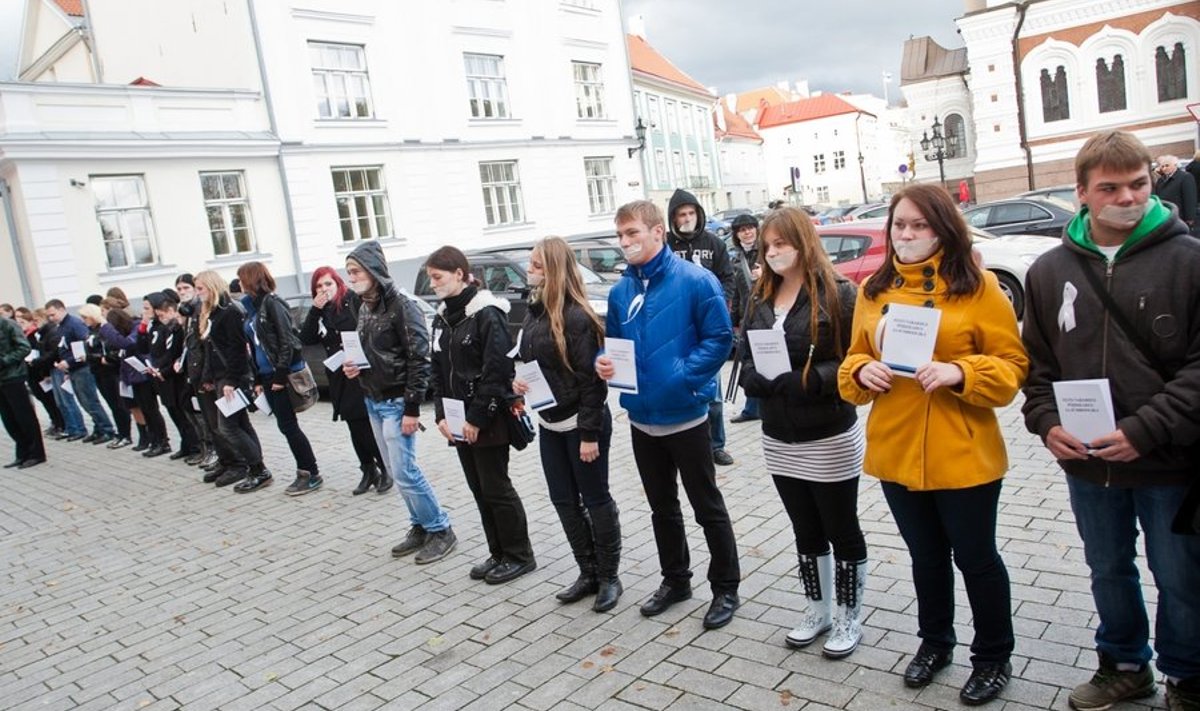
pixel 144 703
pixel 51 583
pixel 755 552
pixel 271 676
pixel 180 619
pixel 785 698
pixel 673 632
pixel 588 664
pixel 68 506
pixel 436 641
pixel 487 636
pixel 608 651
pixel 640 687
pixel 607 668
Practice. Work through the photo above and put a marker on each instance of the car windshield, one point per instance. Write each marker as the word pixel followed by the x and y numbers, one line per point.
pixel 589 276
pixel 1057 202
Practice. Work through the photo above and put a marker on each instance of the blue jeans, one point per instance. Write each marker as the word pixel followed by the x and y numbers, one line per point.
pixel 1107 519
pixel 751 408
pixel 569 479
pixel 716 419
pixel 400 452
pixel 72 417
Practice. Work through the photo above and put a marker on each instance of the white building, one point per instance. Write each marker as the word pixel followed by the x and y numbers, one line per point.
pixel 288 131
pixel 933 81
pixel 680 150
pixel 741 159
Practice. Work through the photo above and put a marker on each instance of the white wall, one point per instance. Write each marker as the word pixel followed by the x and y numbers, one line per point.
pixel 693 134
pixel 796 144
pixel 939 98
pixel 743 170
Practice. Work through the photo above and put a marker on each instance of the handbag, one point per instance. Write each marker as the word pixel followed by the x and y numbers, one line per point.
pixel 520 427
pixel 302 389
pixel 1187 518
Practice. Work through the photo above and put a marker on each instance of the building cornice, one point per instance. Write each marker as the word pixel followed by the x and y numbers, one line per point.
pixel 324 16
pixel 666 86
pixel 60 88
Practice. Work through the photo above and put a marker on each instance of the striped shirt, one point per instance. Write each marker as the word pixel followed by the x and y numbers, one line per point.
pixel 835 458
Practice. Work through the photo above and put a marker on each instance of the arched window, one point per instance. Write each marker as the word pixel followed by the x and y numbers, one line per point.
pixel 1171 72
pixel 1055 106
pixel 1110 84
pixel 956 134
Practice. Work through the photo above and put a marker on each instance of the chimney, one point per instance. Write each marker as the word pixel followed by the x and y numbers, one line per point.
pixel 802 90
pixel 782 86
pixel 731 102
pixel 637 26
pixel 719 116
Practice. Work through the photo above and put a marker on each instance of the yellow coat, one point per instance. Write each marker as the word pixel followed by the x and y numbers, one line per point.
pixel 947 439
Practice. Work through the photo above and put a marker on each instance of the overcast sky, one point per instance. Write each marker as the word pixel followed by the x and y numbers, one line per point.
pixel 837 45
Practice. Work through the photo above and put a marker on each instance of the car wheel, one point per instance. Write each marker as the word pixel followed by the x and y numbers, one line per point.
pixel 1012 289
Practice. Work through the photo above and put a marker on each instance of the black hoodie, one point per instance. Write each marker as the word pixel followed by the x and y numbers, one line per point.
pixel 701 247
pixel 393 335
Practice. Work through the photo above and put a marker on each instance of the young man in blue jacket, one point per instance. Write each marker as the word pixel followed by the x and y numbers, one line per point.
pixel 675 313
pixel 67 365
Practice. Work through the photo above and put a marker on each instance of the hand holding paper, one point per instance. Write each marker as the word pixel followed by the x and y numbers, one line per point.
pixel 769 350
pixel 354 353
pixel 909 336
pixel 538 394
pixel 621 352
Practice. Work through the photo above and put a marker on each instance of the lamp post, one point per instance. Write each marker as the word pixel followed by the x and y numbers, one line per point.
pixel 939 147
pixel 640 131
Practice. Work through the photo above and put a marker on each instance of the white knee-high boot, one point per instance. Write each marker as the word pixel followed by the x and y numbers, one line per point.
pixel 816 573
pixel 850 581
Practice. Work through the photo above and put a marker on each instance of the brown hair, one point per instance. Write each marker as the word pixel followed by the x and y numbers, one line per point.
pixel 645 211
pixel 449 259
pixel 24 313
pixel 256 279
pixel 820 278
pixel 958 267
pixel 1115 150
pixel 563 284
pixel 118 294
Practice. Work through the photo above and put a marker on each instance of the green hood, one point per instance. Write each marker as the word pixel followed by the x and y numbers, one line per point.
pixel 1079 231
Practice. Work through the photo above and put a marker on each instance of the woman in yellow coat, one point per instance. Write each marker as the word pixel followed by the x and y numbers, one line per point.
pixel 932 437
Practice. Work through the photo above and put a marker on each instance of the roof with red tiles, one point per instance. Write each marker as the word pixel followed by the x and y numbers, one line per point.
pixel 817 107
pixel 645 59
pixel 73 8
pixel 735 125
pixel 753 99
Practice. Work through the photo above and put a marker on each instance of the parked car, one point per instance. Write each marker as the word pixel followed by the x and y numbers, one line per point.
pixel 718 227
pixel 1026 216
pixel 602 255
pixel 726 217
pixel 1062 193
pixel 870 211
pixel 835 214
pixel 858 248
pixel 503 273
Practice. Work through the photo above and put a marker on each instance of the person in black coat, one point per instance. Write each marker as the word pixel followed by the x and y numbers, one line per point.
pixel 166 350
pixel 746 271
pixel 334 310
pixel 563 335
pixel 39 370
pixel 471 366
pixel 1177 187
pixel 106 369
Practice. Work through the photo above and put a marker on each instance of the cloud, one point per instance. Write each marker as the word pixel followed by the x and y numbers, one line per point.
pixel 838 46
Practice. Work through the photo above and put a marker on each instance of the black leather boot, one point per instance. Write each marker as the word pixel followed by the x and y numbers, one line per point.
pixel 606 525
pixel 383 482
pixel 578 527
pixel 143 442
pixel 369 475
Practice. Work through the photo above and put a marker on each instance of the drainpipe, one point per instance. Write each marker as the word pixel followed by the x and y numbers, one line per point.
pixel 642 157
pixel 1022 7
pixel 301 287
pixel 90 41
pixel 18 253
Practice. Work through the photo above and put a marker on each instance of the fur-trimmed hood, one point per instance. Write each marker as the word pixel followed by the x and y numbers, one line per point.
pixel 482 299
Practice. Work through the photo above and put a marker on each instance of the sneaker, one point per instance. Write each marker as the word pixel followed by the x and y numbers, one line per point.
pixel 437 546
pixel 1184 696
pixel 194 459
pixel 253 482
pixel 210 460
pixel 119 442
pixel 304 483
pixel 230 476
pixel 411 543
pixel 74 437
pixel 1110 685
pixel 722 457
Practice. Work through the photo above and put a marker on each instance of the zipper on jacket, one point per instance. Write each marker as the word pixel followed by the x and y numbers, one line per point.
pixel 1108 273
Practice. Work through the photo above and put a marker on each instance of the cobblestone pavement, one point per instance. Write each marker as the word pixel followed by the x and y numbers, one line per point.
pixel 126 583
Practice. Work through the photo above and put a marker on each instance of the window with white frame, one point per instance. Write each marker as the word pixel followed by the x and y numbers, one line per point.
pixel 228 212
pixel 362 203
pixel 601 185
pixel 501 192
pixel 693 167
pixel 705 165
pixel 839 160
pixel 677 166
pixel 340 80
pixel 823 193
pixel 487 90
pixel 655 114
pixel 819 163
pixel 660 166
pixel 589 90
pixel 126 226
pixel 672 116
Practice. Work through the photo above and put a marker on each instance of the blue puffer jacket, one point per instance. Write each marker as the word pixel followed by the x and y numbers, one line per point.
pixel 682 336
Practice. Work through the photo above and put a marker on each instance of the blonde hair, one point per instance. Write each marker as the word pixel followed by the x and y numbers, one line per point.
pixel 90 312
pixel 217 289
pixel 562 285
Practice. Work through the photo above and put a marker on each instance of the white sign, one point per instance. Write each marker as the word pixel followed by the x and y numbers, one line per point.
pixel 334 362
pixel 233 404
pixel 47 385
pixel 770 352
pixel 1085 408
pixel 136 363
pixel 79 350
pixel 263 403
pixel 539 396
pixel 67 387
pixel 125 390
pixel 622 353
pixel 353 349
pixel 456 416
pixel 909 335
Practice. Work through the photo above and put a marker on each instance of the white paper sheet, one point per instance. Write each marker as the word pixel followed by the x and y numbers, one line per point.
pixel 353 349
pixel 78 350
pixel 456 416
pixel 909 336
pixel 1085 408
pixel 235 403
pixel 334 362
pixel 196 404
pixel 623 354
pixel 263 403
pixel 33 355
pixel 67 386
pixel 540 396
pixel 47 385
pixel 769 350
pixel 125 390
pixel 137 364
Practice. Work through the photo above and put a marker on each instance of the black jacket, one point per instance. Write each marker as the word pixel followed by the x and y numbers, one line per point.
pixel 227 359
pixel 45 340
pixel 701 247
pixel 394 337
pixel 790 411
pixel 324 327
pixel 577 390
pixel 193 364
pixel 470 360
pixel 744 261
pixel 102 358
pixel 276 336
pixel 166 347
pixel 1180 191
pixel 14 346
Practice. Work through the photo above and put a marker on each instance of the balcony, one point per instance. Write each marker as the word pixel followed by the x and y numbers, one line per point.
pixel 699 182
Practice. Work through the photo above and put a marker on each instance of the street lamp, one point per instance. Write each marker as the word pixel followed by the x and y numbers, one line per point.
pixel 640 131
pixel 939 147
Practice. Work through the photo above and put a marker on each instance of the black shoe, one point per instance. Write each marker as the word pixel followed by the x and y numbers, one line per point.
pixel 364 484
pixel 215 466
pixel 91 438
pixel 119 442
pixel 211 477
pixel 103 439
pixel 181 454
pixel 607 595
pixel 59 434
pixel 194 459
pixel 157 450
pixel 722 457
pixel 720 612
pixel 383 482
pixel 31 463
pixel 413 540
pixel 743 418
pixel 231 476
pixel 986 683
pixel 663 598
pixel 583 586
pixel 927 662
pixel 74 437
pixel 480 570
pixel 254 482
pixel 14 464
pixel 509 570
pixel 141 446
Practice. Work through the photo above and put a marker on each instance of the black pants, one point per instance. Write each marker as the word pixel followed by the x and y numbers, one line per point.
pixel 241 440
pixel 823 513
pixel 688 453
pixel 570 480
pixel 108 382
pixel 16 410
pixel 195 417
pixel 147 401
pixel 289 427
pixel 958 525
pixel 212 416
pixel 47 400
pixel 500 507
pixel 366 448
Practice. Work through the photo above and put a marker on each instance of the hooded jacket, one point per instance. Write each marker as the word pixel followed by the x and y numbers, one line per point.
pixel 743 263
pixel 577 390
pixel 393 336
pixel 676 315
pixel 701 247
pixel 1153 278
